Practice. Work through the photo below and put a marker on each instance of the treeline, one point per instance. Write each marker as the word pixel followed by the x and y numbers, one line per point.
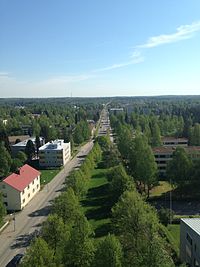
pixel 178 117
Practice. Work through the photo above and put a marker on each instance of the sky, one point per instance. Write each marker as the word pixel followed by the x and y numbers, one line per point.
pixel 62 48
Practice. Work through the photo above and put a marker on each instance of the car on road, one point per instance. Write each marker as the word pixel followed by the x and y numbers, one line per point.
pixel 15 260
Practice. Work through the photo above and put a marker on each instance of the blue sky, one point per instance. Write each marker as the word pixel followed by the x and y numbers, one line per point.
pixel 99 48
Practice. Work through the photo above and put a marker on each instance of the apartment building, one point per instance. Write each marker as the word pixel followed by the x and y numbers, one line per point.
pixel 54 154
pixel 171 141
pixel 20 187
pixel 164 154
pixel 190 241
pixel 22 145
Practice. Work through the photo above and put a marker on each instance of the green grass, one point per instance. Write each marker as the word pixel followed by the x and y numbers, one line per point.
pixel 97 203
pixel 174 230
pixel 160 189
pixel 48 175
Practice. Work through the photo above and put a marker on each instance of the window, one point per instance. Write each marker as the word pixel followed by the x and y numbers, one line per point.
pixel 6 204
pixel 33 182
pixel 3 186
pixel 24 200
pixel 37 185
pixel 22 192
pixel 29 195
pixel 28 186
pixel 33 190
pixel 4 194
pixel 189 239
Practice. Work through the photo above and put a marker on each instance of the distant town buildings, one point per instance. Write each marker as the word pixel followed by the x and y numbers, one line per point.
pixel 163 154
pixel 54 154
pixel 190 241
pixel 20 187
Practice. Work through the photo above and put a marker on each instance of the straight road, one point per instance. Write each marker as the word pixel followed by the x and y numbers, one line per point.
pixel 16 237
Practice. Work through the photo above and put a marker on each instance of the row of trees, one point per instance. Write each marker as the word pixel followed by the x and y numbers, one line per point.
pixel 66 237
pixel 137 155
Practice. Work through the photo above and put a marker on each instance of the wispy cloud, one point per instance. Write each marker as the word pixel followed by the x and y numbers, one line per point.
pixel 120 65
pixel 4 74
pixel 182 32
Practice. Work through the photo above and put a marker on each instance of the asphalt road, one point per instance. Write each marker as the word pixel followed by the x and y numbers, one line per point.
pixel 17 236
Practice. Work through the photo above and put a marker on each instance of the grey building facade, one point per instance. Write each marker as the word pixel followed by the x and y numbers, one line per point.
pixel 190 241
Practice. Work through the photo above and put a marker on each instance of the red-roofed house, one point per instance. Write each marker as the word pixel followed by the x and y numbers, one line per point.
pixel 20 187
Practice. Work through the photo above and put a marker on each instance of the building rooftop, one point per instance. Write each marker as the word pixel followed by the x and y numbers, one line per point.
pixel 163 149
pixel 13 138
pixel 171 138
pixel 193 223
pixel 171 149
pixel 24 142
pixel 21 180
pixel 53 145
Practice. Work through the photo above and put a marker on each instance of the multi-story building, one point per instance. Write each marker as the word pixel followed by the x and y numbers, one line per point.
pixel 20 187
pixel 171 141
pixel 22 145
pixel 190 241
pixel 164 154
pixel 54 154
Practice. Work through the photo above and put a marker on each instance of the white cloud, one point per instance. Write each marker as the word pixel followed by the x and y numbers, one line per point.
pixel 182 32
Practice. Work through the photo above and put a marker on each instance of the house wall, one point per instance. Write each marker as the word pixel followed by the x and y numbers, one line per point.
pixel 11 197
pixel 189 245
pixel 29 192
pixel 16 200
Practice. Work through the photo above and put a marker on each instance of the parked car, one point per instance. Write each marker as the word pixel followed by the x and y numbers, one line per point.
pixel 15 260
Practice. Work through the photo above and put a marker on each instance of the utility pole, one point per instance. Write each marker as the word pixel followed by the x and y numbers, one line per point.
pixel 170 202
pixel 14 220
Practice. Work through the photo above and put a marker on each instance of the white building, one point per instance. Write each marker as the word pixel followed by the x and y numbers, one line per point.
pixel 20 187
pixel 190 241
pixel 54 154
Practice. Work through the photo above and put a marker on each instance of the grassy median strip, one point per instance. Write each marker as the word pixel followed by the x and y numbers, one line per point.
pixel 97 203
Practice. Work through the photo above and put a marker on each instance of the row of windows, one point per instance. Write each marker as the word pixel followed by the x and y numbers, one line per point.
pixel 29 193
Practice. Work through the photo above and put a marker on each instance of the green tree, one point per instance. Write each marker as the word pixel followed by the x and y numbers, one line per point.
pixel 39 255
pixel 155 133
pixel 2 209
pixel 79 250
pixel 67 206
pixel 5 161
pixel 37 144
pixel 108 253
pixel 53 231
pixel 30 150
pixel 136 224
pixel 142 163
pixel 15 165
pixel 119 181
pixel 21 156
pixel 179 168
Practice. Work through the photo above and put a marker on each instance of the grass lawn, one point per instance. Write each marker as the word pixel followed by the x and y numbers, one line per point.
pixel 48 175
pixel 174 230
pixel 97 203
pixel 160 189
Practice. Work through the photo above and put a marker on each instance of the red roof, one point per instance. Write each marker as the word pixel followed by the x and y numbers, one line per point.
pixel 20 181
